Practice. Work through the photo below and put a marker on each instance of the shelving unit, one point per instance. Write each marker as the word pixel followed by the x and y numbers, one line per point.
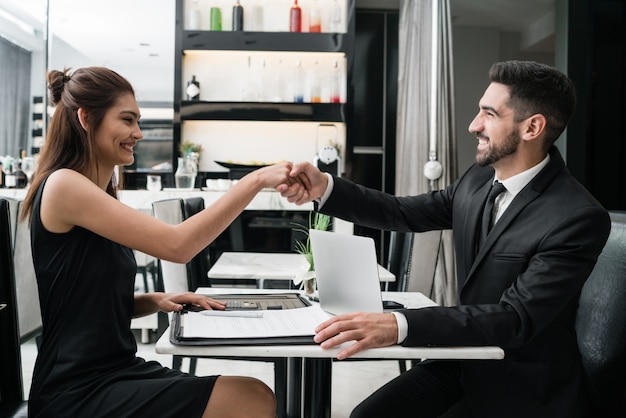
pixel 204 53
pixel 199 110
pixel 37 127
pixel 266 41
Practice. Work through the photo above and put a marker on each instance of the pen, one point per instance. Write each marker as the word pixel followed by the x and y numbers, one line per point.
pixel 233 314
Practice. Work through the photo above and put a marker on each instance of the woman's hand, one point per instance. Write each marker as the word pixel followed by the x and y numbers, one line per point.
pixel 275 174
pixel 173 302
pixel 147 303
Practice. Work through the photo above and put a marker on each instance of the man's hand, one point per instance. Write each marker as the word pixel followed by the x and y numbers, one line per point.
pixel 368 330
pixel 311 184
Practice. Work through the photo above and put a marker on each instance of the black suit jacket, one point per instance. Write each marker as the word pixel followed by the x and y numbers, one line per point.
pixel 519 291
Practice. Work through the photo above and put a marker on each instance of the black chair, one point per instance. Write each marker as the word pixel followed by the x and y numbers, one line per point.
pixel 12 403
pixel 199 266
pixel 601 326
pixel 399 263
pixel 399 259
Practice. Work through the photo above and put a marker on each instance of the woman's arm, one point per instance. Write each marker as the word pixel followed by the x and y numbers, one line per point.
pixel 70 199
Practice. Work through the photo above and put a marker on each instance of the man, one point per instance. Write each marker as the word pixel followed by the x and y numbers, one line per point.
pixel 518 287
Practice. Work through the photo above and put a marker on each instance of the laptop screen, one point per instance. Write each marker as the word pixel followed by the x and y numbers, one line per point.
pixel 346 270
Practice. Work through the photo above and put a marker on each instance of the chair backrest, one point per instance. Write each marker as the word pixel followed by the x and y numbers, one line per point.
pixel 399 259
pixel 601 324
pixel 11 383
pixel 29 311
pixel 199 266
pixel 182 277
pixel 173 275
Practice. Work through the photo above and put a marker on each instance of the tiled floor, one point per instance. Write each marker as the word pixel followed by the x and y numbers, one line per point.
pixel 352 381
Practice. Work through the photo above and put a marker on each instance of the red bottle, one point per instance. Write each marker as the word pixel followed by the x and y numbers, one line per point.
pixel 295 18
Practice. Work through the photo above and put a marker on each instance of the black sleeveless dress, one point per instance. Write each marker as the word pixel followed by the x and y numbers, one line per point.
pixel 87 364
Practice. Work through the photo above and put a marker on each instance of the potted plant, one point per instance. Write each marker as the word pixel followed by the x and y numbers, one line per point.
pixel 188 148
pixel 320 222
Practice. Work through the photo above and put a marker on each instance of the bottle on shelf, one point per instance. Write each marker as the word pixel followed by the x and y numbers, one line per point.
pixel 237 17
pixel 295 18
pixel 315 85
pixel 315 18
pixel 278 84
pixel 21 180
pixel 298 83
pixel 216 19
pixel 335 17
pixel 336 81
pixel 193 89
pixel 8 163
pixel 256 20
pixel 194 18
pixel 265 93
pixel 251 88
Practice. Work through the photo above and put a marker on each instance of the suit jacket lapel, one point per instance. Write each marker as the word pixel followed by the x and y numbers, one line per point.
pixel 529 193
pixel 472 224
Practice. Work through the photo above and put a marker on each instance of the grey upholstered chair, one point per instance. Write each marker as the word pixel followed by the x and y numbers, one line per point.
pixel 28 309
pixel 601 325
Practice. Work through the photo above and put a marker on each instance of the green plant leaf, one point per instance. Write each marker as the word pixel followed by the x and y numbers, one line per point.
pixel 317 221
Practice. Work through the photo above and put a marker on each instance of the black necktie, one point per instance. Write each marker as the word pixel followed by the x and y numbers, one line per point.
pixel 496 189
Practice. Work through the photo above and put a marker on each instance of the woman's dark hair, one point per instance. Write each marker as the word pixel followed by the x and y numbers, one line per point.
pixel 537 89
pixel 68 145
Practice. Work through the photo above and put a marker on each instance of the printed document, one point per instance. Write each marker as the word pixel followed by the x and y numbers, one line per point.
pixel 272 323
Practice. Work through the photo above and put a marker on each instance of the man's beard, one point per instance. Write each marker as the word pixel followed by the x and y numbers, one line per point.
pixel 495 153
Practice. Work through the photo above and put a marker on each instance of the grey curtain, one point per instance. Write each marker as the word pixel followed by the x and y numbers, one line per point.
pixel 422 134
pixel 15 68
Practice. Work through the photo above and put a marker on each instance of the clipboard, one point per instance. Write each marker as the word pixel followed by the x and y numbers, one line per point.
pixel 294 301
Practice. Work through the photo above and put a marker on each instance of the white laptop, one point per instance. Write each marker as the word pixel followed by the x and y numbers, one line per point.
pixel 346 271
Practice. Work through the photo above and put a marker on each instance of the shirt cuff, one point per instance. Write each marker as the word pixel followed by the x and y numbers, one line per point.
pixel 403 326
pixel 327 192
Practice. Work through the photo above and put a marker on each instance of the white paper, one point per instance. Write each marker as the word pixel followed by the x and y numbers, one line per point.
pixel 273 323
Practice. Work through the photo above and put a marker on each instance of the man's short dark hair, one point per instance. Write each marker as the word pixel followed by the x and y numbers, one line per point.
pixel 537 88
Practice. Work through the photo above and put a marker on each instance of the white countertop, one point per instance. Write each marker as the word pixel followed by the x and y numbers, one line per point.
pixel 274 266
pixel 142 199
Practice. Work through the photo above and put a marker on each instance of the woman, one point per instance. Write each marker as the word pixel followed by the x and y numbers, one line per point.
pixel 82 238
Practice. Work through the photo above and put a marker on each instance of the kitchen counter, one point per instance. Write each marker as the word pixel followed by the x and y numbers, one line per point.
pixel 142 199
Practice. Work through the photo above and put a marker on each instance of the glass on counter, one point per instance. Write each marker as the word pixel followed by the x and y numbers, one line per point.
pixel 186 172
